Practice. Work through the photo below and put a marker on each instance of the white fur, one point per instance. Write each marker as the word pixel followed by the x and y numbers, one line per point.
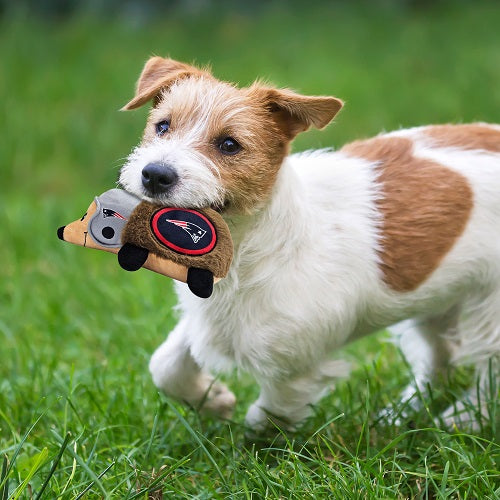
pixel 305 280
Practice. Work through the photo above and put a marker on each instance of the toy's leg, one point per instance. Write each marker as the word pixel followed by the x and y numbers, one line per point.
pixel 200 282
pixel 286 402
pixel 132 257
pixel 177 374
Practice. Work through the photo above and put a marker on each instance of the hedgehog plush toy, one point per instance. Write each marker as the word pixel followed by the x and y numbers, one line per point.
pixel 193 246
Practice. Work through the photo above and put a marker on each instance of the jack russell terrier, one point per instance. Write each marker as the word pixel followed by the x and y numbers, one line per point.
pixel 402 229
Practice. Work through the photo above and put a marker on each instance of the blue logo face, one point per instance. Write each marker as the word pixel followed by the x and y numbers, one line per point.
pixel 185 231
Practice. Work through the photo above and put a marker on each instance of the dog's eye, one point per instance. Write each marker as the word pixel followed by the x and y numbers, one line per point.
pixel 229 146
pixel 162 127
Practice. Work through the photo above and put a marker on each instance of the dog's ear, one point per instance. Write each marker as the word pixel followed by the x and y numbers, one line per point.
pixel 159 73
pixel 295 113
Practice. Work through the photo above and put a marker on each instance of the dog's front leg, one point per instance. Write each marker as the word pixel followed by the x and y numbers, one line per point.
pixel 177 374
pixel 285 402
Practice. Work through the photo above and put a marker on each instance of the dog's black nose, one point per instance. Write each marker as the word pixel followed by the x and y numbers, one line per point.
pixel 157 178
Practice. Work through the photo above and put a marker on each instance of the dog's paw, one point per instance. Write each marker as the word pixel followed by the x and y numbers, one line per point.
pixel 261 421
pixel 460 417
pixel 390 416
pixel 219 401
pixel 401 411
pixel 404 417
pixel 256 419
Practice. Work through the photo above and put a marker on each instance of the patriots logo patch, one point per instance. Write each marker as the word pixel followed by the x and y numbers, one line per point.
pixel 108 212
pixel 196 232
pixel 185 231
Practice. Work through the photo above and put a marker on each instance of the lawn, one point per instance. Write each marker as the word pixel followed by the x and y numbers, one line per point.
pixel 79 415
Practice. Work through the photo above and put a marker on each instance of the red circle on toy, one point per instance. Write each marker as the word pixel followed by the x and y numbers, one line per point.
pixel 183 230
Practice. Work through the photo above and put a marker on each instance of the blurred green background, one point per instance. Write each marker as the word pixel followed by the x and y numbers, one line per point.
pixel 67 67
pixel 76 331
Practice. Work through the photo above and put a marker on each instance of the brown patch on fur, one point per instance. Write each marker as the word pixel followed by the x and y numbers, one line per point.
pixel 159 73
pixel 475 136
pixel 425 208
pixel 248 176
pixel 295 113
pixel 138 232
pixel 269 120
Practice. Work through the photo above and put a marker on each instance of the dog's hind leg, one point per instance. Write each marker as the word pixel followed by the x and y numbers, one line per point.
pixel 478 343
pixel 426 347
pixel 285 402
pixel 177 374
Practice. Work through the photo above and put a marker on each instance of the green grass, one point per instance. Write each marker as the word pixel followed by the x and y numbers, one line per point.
pixel 78 411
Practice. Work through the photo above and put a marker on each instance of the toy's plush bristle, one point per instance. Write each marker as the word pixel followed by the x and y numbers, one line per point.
pixel 60 233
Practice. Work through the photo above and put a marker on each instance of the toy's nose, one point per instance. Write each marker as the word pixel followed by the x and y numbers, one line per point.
pixel 158 178
pixel 60 233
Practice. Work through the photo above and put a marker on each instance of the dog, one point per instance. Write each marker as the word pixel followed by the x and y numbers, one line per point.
pixel 329 246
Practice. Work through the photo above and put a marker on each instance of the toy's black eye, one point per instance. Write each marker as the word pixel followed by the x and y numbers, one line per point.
pixel 229 146
pixel 162 127
pixel 108 232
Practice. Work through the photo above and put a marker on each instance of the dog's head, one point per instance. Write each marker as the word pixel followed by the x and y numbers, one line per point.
pixel 209 143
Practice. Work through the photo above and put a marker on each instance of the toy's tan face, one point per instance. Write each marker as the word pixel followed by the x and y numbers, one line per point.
pixel 77 232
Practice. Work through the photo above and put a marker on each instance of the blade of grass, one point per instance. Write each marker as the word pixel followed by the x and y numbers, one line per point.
pixel 40 459
pixel 196 437
pixel 444 479
pixel 54 465
pixel 153 431
pixel 82 464
pixel 10 425
pixel 71 476
pixel 4 490
pixel 18 449
pixel 164 473
pixel 80 495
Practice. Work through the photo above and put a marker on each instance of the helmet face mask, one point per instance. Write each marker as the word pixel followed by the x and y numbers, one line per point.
pixel 113 209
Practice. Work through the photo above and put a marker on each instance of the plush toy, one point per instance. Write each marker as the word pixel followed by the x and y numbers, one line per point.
pixel 193 246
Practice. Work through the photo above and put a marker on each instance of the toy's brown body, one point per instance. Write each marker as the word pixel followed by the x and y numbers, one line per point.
pixel 216 260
